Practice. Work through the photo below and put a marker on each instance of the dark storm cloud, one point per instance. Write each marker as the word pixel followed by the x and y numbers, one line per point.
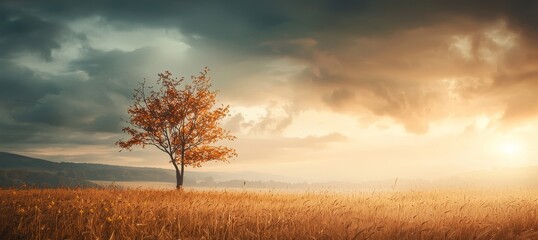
pixel 235 24
pixel 21 87
pixel 53 108
pixel 247 24
pixel 91 104
pixel 113 71
pixel 373 55
pixel 21 32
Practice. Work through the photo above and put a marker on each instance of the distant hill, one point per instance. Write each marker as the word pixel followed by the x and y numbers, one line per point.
pixel 17 169
pixel 18 178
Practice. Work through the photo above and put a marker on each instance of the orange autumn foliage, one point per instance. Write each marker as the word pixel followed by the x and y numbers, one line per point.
pixel 179 119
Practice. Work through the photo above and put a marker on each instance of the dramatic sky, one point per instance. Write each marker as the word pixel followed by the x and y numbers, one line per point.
pixel 319 90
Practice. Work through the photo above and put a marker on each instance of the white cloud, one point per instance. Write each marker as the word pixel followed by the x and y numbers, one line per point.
pixel 104 35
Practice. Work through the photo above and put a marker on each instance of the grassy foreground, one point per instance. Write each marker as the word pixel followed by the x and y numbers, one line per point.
pixel 159 214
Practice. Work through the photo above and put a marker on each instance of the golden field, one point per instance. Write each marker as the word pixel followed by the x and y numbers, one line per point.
pixel 195 214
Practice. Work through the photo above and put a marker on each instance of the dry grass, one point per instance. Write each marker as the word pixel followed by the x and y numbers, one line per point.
pixel 158 214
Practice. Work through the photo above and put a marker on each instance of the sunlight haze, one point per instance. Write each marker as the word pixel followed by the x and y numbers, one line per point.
pixel 315 93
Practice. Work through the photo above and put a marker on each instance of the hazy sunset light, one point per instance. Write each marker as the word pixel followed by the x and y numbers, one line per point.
pixel 511 148
pixel 317 92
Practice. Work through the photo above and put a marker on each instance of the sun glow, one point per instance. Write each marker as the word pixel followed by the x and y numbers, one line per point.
pixel 511 153
pixel 511 148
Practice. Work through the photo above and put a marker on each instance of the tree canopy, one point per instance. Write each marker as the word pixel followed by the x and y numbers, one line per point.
pixel 180 119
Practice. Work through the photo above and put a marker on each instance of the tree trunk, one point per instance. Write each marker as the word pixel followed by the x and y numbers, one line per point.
pixel 179 185
pixel 179 177
pixel 180 181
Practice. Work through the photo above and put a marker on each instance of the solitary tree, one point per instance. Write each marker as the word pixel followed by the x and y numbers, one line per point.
pixel 180 119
